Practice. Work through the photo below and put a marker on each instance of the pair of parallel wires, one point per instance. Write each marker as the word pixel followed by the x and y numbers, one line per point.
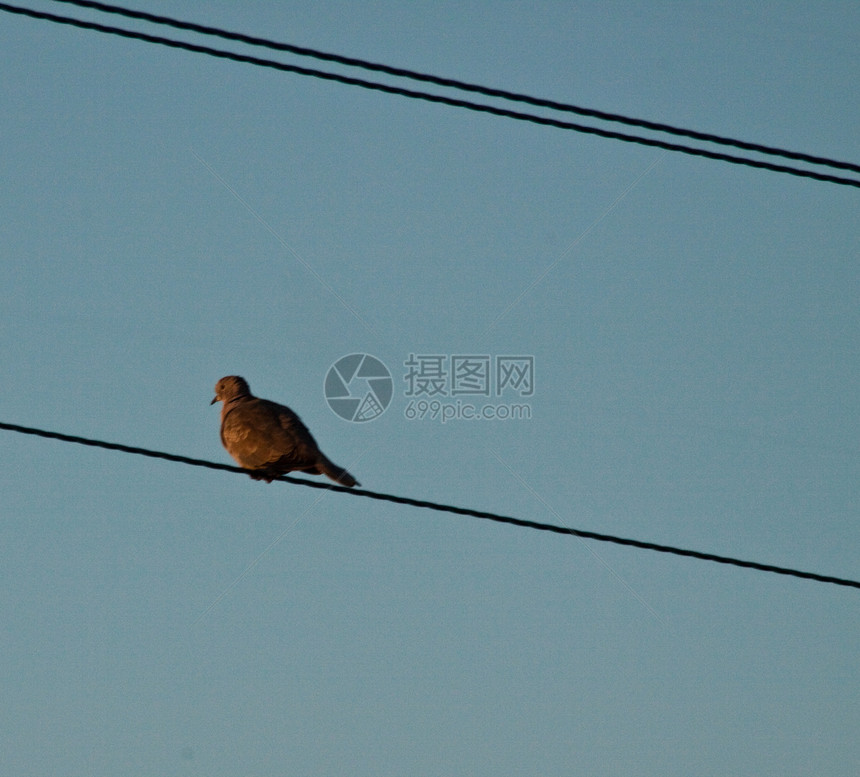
pixel 455 86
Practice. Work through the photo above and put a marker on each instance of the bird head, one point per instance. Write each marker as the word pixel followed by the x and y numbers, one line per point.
pixel 229 388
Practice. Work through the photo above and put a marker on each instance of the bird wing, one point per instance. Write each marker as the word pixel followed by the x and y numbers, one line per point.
pixel 259 433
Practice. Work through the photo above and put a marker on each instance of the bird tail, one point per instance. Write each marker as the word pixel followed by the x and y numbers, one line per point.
pixel 337 474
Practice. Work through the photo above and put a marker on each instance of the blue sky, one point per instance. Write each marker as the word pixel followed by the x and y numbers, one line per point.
pixel 167 218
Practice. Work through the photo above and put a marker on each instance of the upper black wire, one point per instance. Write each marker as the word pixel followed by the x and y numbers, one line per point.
pixel 430 97
pixel 423 503
pixel 462 85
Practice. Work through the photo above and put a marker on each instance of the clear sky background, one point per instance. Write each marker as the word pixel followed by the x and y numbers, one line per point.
pixel 166 218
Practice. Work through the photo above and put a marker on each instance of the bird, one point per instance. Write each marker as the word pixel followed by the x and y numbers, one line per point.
pixel 267 438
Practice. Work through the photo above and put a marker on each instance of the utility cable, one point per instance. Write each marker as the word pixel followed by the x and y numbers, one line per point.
pixel 233 56
pixel 426 504
pixel 461 85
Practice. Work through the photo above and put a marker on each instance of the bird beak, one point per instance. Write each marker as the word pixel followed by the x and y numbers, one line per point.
pixel 214 401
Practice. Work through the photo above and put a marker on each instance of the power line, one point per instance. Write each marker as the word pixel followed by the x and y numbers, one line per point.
pixel 461 85
pixel 434 98
pixel 422 503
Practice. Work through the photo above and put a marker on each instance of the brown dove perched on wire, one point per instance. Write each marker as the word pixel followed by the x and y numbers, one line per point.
pixel 269 438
